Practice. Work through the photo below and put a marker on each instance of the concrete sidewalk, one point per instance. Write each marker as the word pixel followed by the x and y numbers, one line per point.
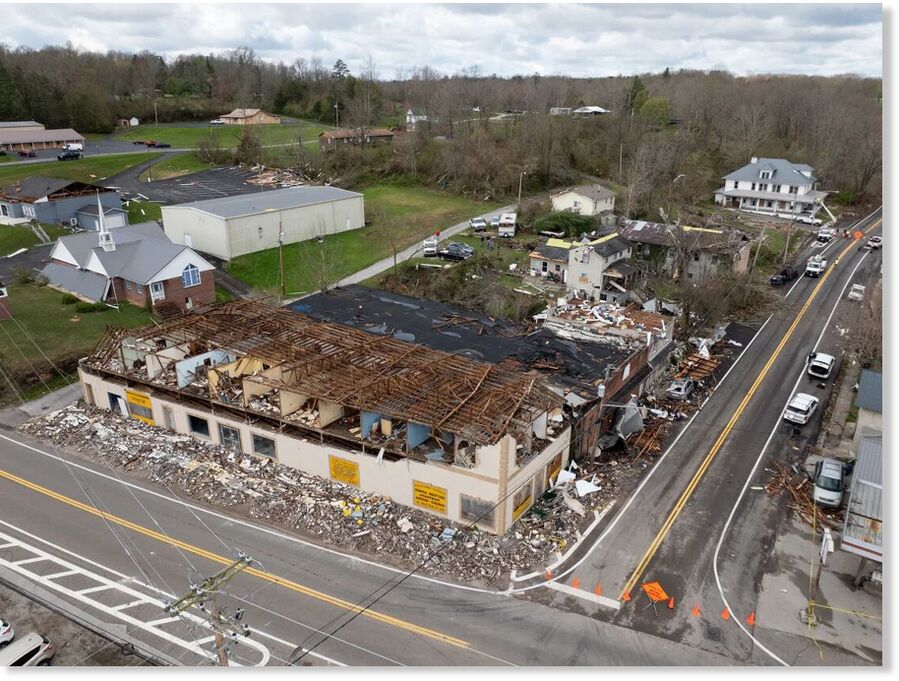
pixel 14 416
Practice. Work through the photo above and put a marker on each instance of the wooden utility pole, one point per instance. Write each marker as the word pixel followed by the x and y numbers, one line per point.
pixel 787 246
pixel 156 114
pixel 281 259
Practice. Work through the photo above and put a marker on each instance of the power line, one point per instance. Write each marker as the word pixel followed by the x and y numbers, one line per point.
pixel 40 350
pixel 27 361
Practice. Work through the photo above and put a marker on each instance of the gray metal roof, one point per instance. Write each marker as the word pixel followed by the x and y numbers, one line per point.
pixel 39 136
pixel 870 391
pixel 80 282
pixel 783 172
pixel 20 124
pixel 91 209
pixel 82 245
pixel 37 187
pixel 551 252
pixel 595 192
pixel 262 202
pixel 863 528
pixel 612 246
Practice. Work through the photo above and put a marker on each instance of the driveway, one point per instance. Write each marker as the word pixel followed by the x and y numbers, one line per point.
pixel 33 259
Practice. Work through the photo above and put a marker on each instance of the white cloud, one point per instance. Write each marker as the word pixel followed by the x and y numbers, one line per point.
pixel 578 40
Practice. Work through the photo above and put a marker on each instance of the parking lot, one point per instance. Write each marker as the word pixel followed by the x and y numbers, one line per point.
pixel 207 184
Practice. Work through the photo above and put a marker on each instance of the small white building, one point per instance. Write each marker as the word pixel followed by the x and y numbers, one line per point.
pixel 584 111
pixel 414 117
pixel 247 223
pixel 588 199
pixel 772 186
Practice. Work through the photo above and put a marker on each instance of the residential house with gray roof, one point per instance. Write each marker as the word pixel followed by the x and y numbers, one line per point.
pixel 138 264
pixel 588 199
pixel 57 201
pixel 772 186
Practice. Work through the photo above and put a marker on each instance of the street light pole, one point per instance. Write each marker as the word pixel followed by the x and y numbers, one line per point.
pixel 520 178
pixel 337 114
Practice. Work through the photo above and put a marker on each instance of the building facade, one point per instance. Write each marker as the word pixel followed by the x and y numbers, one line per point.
pixel 250 117
pixel 248 223
pixel 590 199
pixel 335 139
pixel 772 186
pixel 17 139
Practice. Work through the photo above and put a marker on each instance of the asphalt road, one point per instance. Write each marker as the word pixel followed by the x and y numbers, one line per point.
pixel 669 537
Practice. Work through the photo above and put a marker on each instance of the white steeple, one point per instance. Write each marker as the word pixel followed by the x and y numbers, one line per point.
pixel 107 243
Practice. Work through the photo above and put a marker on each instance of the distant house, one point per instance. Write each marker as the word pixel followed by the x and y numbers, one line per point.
pixel 18 139
pixel 20 125
pixel 414 117
pixel 4 302
pixel 588 199
pixel 333 139
pixel 55 201
pixel 869 401
pixel 772 186
pixel 250 117
pixel 560 111
pixel 708 251
pixel 586 111
pixel 598 269
pixel 137 264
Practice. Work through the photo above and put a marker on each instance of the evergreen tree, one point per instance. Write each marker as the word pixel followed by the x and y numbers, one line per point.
pixel 340 70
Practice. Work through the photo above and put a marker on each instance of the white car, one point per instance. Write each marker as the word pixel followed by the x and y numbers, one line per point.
pixel 808 220
pixel 216 121
pixel 875 242
pixel 429 247
pixel 478 224
pixel 32 650
pixel 856 292
pixel 825 234
pixel 801 408
pixel 7 633
pixel 828 481
pixel 681 389
pixel 821 366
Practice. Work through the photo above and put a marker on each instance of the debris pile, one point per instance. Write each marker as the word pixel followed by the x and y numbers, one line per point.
pixel 335 513
pixel 799 486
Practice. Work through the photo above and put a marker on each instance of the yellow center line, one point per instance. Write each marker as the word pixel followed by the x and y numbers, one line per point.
pixel 719 443
pixel 280 581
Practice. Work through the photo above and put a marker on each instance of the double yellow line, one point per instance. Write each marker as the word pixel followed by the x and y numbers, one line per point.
pixel 274 579
pixel 719 443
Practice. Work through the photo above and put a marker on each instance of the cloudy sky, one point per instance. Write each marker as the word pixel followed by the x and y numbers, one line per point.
pixel 506 39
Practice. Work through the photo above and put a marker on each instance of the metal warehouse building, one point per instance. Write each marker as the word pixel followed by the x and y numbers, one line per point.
pixel 236 225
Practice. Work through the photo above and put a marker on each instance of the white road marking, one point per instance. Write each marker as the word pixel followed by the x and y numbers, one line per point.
pixel 751 475
pixel 585 595
pixel 125 606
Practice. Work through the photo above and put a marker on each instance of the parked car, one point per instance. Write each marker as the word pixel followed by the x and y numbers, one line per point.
pixel 782 277
pixel 162 145
pixel 73 146
pixel 828 489
pixel 875 242
pixel 69 156
pixel 138 142
pixel 856 292
pixel 681 389
pixel 821 366
pixel 27 153
pixel 462 246
pixel 815 266
pixel 478 224
pixel 456 252
pixel 216 121
pixel 801 408
pixel 7 633
pixel 32 650
pixel 429 246
pixel 809 220
pixel 493 221
pixel 825 234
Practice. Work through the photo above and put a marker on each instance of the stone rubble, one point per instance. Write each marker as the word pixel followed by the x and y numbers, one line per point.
pixel 334 513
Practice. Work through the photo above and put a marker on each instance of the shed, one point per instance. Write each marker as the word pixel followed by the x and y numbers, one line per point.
pixel 248 223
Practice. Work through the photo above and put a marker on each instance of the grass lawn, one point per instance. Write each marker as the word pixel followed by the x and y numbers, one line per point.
pixel 175 166
pixel 399 214
pixel 88 169
pixel 143 211
pixel 14 237
pixel 188 136
pixel 63 334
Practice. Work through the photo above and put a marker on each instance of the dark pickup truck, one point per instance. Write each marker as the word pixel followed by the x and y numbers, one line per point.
pixel 782 277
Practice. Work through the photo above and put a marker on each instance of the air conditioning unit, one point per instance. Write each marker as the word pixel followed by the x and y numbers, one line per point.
pixel 73 222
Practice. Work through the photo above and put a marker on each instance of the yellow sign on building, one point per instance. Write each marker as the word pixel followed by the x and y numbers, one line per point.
pixel 429 496
pixel 344 471
pixel 140 406
pixel 521 508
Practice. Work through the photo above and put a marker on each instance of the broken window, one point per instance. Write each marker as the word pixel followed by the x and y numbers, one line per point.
pixel 230 438
pixel 263 446
pixel 477 510
pixel 197 425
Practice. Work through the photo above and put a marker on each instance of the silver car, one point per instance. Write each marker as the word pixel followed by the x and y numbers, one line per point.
pixel 32 650
pixel 828 483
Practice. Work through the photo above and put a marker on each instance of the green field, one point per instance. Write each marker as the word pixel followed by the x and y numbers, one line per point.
pixel 399 216
pixel 63 334
pixel 143 211
pixel 14 237
pixel 175 165
pixel 184 137
pixel 90 169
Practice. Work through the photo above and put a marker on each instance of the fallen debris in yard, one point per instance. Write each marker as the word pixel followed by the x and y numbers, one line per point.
pixel 800 488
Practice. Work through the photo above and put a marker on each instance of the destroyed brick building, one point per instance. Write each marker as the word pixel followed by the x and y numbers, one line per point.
pixel 466 440
pixel 613 355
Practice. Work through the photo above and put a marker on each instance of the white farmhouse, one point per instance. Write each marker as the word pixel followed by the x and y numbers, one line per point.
pixel 588 199
pixel 772 186
pixel 247 223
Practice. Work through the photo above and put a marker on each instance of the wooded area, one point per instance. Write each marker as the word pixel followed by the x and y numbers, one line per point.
pixel 697 123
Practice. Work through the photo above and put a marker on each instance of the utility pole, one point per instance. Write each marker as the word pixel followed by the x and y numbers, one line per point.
pixel 620 161
pixel 149 167
pixel 337 114
pixel 156 114
pixel 281 258
pixel 203 597
pixel 758 249
pixel 787 246
pixel 520 178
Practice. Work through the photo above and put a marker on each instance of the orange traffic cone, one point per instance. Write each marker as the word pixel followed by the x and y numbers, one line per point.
pixel 671 603
pixel 626 596
pixel 598 590
pixel 725 614
pixel 751 619
pixel 576 583
pixel 696 611
pixel 549 574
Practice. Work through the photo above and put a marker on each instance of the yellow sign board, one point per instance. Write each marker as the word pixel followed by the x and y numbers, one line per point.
pixel 429 496
pixel 140 406
pixel 521 508
pixel 344 471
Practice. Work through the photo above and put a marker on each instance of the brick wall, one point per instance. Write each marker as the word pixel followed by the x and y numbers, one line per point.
pixel 203 294
pixel 122 293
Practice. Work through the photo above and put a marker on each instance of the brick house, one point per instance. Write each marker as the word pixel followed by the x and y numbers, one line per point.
pixel 138 264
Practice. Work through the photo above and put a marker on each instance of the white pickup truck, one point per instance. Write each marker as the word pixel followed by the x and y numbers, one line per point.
pixel 815 266
pixel 825 234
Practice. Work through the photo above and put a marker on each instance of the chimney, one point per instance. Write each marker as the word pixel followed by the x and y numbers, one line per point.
pixel 754 159
pixel 107 243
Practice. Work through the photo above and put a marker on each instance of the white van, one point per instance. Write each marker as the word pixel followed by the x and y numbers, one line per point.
pixel 821 366
pixel 73 146
pixel 29 651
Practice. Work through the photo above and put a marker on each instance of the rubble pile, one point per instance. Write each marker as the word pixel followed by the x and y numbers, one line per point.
pixel 798 485
pixel 335 513
pixel 301 173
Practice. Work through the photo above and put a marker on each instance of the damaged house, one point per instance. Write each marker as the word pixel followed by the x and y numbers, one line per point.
pixel 614 361
pixel 466 440
pixel 55 201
